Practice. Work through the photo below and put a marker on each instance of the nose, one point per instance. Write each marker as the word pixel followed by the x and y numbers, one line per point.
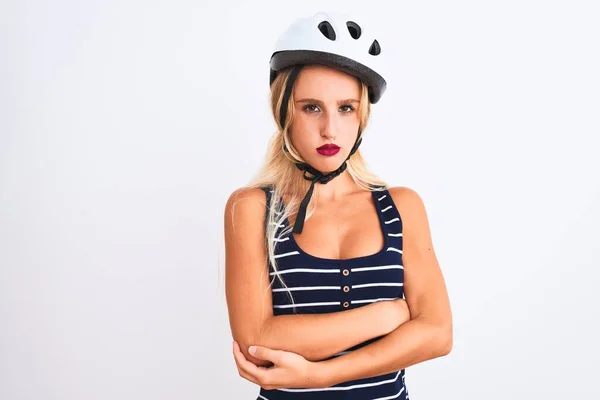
pixel 329 126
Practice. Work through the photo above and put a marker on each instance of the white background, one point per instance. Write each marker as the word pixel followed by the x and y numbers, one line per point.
pixel 125 125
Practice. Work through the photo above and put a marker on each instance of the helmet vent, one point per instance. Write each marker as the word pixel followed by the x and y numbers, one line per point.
pixel 327 30
pixel 354 29
pixel 375 49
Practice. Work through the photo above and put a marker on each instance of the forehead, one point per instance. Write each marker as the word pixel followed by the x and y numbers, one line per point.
pixel 319 81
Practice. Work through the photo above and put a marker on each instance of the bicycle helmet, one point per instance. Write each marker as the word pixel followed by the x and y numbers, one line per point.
pixel 335 40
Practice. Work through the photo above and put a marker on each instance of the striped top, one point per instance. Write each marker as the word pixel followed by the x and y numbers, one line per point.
pixel 322 285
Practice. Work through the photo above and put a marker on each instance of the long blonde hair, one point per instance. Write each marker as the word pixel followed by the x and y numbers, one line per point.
pixel 281 175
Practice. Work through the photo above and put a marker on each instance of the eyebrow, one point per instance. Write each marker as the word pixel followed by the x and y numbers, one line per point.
pixel 319 102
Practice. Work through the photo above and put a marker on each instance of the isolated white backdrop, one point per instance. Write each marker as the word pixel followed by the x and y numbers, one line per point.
pixel 125 125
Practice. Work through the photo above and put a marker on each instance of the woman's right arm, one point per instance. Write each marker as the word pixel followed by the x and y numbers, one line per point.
pixel 249 302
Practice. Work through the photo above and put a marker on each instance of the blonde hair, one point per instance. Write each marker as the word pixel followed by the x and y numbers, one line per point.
pixel 280 174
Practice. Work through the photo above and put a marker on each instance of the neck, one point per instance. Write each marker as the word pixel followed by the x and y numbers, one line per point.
pixel 338 187
pixel 341 186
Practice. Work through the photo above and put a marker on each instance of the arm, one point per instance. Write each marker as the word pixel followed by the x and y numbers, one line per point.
pixel 429 333
pixel 249 299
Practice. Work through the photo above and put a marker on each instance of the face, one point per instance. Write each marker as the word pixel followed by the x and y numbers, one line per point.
pixel 326 117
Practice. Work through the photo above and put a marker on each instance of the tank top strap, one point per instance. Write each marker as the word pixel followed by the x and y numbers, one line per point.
pixel 390 219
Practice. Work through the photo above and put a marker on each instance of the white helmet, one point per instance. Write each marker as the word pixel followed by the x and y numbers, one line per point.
pixel 334 40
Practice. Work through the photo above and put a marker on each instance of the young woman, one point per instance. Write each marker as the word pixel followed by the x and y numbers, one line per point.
pixel 333 286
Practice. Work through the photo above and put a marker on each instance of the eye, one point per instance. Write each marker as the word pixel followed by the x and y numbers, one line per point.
pixel 346 109
pixel 310 108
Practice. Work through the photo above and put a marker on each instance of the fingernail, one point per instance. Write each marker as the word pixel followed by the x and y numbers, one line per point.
pixel 252 349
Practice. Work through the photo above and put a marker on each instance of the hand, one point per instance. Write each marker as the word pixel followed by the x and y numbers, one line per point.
pixel 289 370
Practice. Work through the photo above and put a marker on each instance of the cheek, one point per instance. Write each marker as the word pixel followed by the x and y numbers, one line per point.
pixel 350 120
pixel 349 125
pixel 303 130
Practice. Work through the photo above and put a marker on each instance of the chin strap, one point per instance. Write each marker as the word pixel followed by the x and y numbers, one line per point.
pixel 316 175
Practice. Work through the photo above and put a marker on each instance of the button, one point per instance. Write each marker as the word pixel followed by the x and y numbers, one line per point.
pixel 346 304
pixel 346 289
pixel 346 272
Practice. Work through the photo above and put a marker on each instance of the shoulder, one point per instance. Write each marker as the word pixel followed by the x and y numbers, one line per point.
pixel 245 204
pixel 407 199
pixel 411 207
pixel 249 195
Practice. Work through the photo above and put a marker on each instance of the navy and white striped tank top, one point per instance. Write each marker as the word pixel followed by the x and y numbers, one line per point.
pixel 321 285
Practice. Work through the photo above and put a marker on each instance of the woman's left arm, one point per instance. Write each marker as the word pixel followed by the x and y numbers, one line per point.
pixel 428 334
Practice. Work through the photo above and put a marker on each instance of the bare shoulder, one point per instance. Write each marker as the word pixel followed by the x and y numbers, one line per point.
pixel 407 200
pixel 245 205
pixel 415 222
pixel 249 196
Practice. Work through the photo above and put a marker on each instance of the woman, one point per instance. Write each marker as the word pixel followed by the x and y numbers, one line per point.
pixel 333 286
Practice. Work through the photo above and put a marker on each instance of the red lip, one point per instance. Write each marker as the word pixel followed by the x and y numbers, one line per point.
pixel 328 149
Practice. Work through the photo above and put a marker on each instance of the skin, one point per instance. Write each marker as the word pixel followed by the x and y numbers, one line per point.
pixel 325 105
pixel 338 230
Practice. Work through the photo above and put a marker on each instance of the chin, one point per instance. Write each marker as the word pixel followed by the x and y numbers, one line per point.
pixel 327 164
